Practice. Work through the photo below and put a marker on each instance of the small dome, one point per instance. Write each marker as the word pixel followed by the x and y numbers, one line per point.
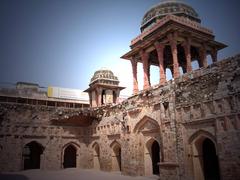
pixel 167 7
pixel 104 76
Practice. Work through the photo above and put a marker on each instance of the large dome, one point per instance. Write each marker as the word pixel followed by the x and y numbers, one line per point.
pixel 104 76
pixel 167 7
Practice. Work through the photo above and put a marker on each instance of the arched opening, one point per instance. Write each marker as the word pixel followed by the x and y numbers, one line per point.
pixel 155 153
pixel 181 59
pixel 195 65
pixel 182 70
pixel 209 59
pixel 152 157
pixel 103 97
pixel 32 155
pixel 210 160
pixel 154 76
pixel 204 156
pixel 70 156
pixel 169 74
pixel 96 156
pixel 116 157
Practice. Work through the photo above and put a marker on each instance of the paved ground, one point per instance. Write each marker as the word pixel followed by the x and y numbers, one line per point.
pixel 69 174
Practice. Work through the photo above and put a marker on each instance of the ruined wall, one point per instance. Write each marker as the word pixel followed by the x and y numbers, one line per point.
pixel 134 125
pixel 198 105
pixel 179 116
pixel 21 124
pixel 208 105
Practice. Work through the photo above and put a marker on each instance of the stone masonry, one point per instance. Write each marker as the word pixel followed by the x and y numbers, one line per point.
pixel 202 104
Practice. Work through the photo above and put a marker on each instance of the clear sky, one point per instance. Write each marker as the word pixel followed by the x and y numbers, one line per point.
pixel 63 42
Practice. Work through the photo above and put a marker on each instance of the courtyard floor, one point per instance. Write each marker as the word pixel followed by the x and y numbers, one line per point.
pixel 69 174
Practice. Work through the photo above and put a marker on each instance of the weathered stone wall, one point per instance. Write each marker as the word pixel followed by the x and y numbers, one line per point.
pixel 179 116
pixel 135 125
pixel 21 124
pixel 200 104
pixel 207 105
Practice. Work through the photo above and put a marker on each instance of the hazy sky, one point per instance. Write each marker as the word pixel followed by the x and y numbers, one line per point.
pixel 63 42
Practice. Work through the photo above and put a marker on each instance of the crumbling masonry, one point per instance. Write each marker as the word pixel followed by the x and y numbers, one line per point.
pixel 187 128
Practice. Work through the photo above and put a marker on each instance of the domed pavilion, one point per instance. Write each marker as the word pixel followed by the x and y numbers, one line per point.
pixel 171 37
pixel 103 88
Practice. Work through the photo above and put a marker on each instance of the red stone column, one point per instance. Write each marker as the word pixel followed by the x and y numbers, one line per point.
pixel 134 71
pixel 203 56
pixel 214 55
pixel 145 61
pixel 160 49
pixel 187 51
pixel 173 43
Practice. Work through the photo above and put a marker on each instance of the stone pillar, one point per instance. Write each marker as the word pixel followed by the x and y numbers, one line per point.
pixel 173 43
pixel 160 49
pixel 203 56
pixel 134 71
pixel 214 55
pixel 145 61
pixel 187 51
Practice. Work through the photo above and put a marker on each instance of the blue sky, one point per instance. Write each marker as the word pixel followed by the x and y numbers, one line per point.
pixel 63 42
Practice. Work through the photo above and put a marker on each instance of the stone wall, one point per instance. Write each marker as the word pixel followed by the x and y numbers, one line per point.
pixel 176 118
pixel 22 124
pixel 207 105
pixel 201 104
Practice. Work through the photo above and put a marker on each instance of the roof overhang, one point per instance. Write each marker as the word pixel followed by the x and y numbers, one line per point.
pixel 168 24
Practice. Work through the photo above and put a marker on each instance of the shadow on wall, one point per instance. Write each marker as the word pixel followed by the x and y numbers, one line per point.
pixel 13 177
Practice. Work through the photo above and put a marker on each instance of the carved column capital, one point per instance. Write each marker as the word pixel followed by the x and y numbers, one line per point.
pixel 159 46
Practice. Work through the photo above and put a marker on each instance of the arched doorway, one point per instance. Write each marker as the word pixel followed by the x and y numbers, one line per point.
pixel 32 155
pixel 155 154
pixel 210 160
pixel 116 157
pixel 204 156
pixel 96 156
pixel 152 157
pixel 70 156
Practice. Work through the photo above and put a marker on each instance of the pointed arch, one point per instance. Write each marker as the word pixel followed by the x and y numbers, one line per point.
pixel 115 143
pixel 152 156
pixel 199 134
pixel 150 142
pixel 76 145
pixel 146 123
pixel 94 144
pixel 116 156
pixel 204 155
pixel 96 156
pixel 70 156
